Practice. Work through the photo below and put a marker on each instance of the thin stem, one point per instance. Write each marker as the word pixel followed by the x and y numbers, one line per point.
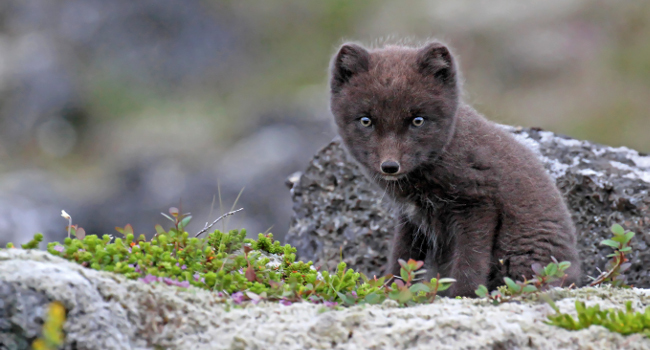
pixel 609 273
pixel 207 227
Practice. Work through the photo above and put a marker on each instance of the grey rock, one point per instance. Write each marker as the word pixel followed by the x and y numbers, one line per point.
pixel 21 315
pixel 336 207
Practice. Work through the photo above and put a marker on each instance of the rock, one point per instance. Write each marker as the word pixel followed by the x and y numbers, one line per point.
pixel 336 207
pixel 107 311
pixel 21 315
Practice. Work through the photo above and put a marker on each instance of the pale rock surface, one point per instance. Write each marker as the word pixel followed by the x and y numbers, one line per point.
pixel 107 311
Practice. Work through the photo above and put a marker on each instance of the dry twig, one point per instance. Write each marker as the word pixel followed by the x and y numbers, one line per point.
pixel 207 227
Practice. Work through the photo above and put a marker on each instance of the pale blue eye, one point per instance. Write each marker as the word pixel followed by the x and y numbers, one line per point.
pixel 365 121
pixel 418 121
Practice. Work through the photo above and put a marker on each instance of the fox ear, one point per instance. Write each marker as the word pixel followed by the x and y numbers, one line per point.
pixel 435 60
pixel 350 60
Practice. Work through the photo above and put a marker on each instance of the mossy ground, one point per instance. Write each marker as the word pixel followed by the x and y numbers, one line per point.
pixel 105 309
pixel 237 270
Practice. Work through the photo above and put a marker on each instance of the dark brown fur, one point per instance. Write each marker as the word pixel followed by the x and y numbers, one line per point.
pixel 474 204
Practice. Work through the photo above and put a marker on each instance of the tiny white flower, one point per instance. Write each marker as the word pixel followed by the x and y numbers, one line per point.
pixel 65 215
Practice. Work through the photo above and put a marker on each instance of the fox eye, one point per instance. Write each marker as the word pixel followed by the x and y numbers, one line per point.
pixel 365 121
pixel 418 121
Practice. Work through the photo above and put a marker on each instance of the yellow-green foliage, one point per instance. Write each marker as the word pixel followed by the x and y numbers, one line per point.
pixel 232 265
pixel 624 322
pixel 52 335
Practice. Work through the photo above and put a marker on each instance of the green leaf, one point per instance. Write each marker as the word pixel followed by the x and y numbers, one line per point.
pixel 419 287
pixel 624 250
pixel 550 269
pixel 346 299
pixel 564 265
pixel 611 243
pixel 512 285
pixel 404 296
pixel 529 288
pixel 364 277
pixel 628 236
pixel 186 220
pixel 373 298
pixel 482 291
pixel 404 274
pixel 617 229
pixel 159 229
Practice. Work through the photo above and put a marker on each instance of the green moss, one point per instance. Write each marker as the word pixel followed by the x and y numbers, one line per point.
pixel 228 264
pixel 625 321
pixel 253 270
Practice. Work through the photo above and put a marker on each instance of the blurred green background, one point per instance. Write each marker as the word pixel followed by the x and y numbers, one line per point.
pixel 117 110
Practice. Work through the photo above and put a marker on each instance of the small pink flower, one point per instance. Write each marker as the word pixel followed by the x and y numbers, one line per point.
pixel 331 303
pixel 285 302
pixel 149 278
pixel 59 248
pixel 237 298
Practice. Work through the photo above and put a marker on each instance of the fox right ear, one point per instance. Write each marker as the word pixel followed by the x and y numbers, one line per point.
pixel 435 60
pixel 350 60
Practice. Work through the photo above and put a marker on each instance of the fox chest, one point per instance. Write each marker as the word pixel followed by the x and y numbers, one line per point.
pixel 425 216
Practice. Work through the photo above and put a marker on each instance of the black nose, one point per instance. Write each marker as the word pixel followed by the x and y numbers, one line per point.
pixel 390 167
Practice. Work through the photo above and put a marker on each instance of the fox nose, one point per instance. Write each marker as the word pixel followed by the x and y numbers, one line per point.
pixel 390 167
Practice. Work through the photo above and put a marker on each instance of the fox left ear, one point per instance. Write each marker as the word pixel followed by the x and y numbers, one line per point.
pixel 435 60
pixel 351 59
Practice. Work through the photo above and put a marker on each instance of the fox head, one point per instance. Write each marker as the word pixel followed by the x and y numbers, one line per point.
pixel 394 107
